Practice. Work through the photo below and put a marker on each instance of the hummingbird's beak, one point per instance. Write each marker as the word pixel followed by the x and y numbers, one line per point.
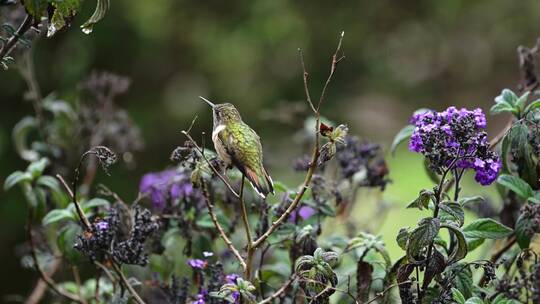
pixel 208 101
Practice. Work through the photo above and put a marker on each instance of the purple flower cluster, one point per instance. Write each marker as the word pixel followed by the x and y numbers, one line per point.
pixel 168 185
pixel 197 263
pixel 455 139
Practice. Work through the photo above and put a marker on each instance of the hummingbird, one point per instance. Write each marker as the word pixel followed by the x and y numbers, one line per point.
pixel 238 145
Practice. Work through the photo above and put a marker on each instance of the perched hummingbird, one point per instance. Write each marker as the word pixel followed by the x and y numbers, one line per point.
pixel 237 144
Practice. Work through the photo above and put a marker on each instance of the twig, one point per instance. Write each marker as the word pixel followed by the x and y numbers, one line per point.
pixel 41 286
pixel 77 278
pixel 9 46
pixel 219 228
pixel 192 141
pixel 80 212
pixel 48 280
pixel 280 291
pixel 305 76
pixel 126 284
pixel 380 294
pixel 315 155
pixel 245 217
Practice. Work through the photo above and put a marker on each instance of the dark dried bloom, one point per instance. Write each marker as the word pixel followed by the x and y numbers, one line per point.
pixel 363 157
pixel 131 251
pixel 96 242
pixel 302 163
pixel 106 157
pixel 176 292
pixel 455 139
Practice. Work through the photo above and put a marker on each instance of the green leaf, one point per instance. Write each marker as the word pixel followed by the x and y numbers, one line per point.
pixel 532 106
pixel 516 184
pixel 486 228
pixel 463 280
pixel 51 183
pixel 461 249
pixel 99 13
pixel 36 168
pixel 524 231
pixel 57 215
pixel 422 236
pixel 66 238
pixel 458 296
pixel 36 8
pixel 522 152
pixel 402 238
pixel 505 148
pixel 452 211
pixel 280 187
pixel 501 108
pixel 16 178
pixel 473 243
pixel 474 300
pixel 21 133
pixel 464 201
pixel 402 135
pixel 93 203
pixel 521 101
pixel 507 96
pixel 63 10
pixel 422 201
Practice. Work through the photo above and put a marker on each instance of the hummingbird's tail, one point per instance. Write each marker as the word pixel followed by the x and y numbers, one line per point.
pixel 260 181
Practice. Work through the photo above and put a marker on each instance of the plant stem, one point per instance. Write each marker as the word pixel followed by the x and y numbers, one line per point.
pixel 126 284
pixel 222 233
pixel 245 217
pixel 9 46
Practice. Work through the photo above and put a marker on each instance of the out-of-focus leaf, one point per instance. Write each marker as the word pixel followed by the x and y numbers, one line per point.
pixel 36 168
pixel 402 135
pixel 474 300
pixel 516 184
pixel 66 238
pixel 486 228
pixel 93 203
pixel 20 137
pixel 15 178
pixel 36 8
pixel 57 215
pixel 470 200
pixel 532 106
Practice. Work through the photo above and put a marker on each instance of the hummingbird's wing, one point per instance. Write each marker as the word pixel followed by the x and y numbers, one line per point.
pixel 243 146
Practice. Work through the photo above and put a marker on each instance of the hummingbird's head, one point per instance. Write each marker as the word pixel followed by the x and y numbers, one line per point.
pixel 223 112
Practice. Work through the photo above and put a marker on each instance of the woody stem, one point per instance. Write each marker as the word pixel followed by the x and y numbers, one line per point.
pixel 245 219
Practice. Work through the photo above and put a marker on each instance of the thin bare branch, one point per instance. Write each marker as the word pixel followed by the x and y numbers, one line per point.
pixel 280 291
pixel 315 154
pixel 305 76
pixel 44 276
pixel 126 284
pixel 222 233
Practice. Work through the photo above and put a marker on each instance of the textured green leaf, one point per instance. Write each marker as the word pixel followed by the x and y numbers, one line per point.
pixel 516 184
pixel 461 249
pixel 532 106
pixel 458 296
pixel 501 108
pixel 422 201
pixel 62 10
pixel 474 300
pixel 402 238
pixel 402 135
pixel 422 236
pixel 486 228
pixel 470 200
pixel 524 231
pixel 452 211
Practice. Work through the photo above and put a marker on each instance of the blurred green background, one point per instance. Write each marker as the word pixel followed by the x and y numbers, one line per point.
pixel 400 55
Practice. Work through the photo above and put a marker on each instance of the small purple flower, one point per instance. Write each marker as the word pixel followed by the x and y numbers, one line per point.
pixel 197 263
pixel 102 225
pixel 200 298
pixel 305 212
pixel 231 278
